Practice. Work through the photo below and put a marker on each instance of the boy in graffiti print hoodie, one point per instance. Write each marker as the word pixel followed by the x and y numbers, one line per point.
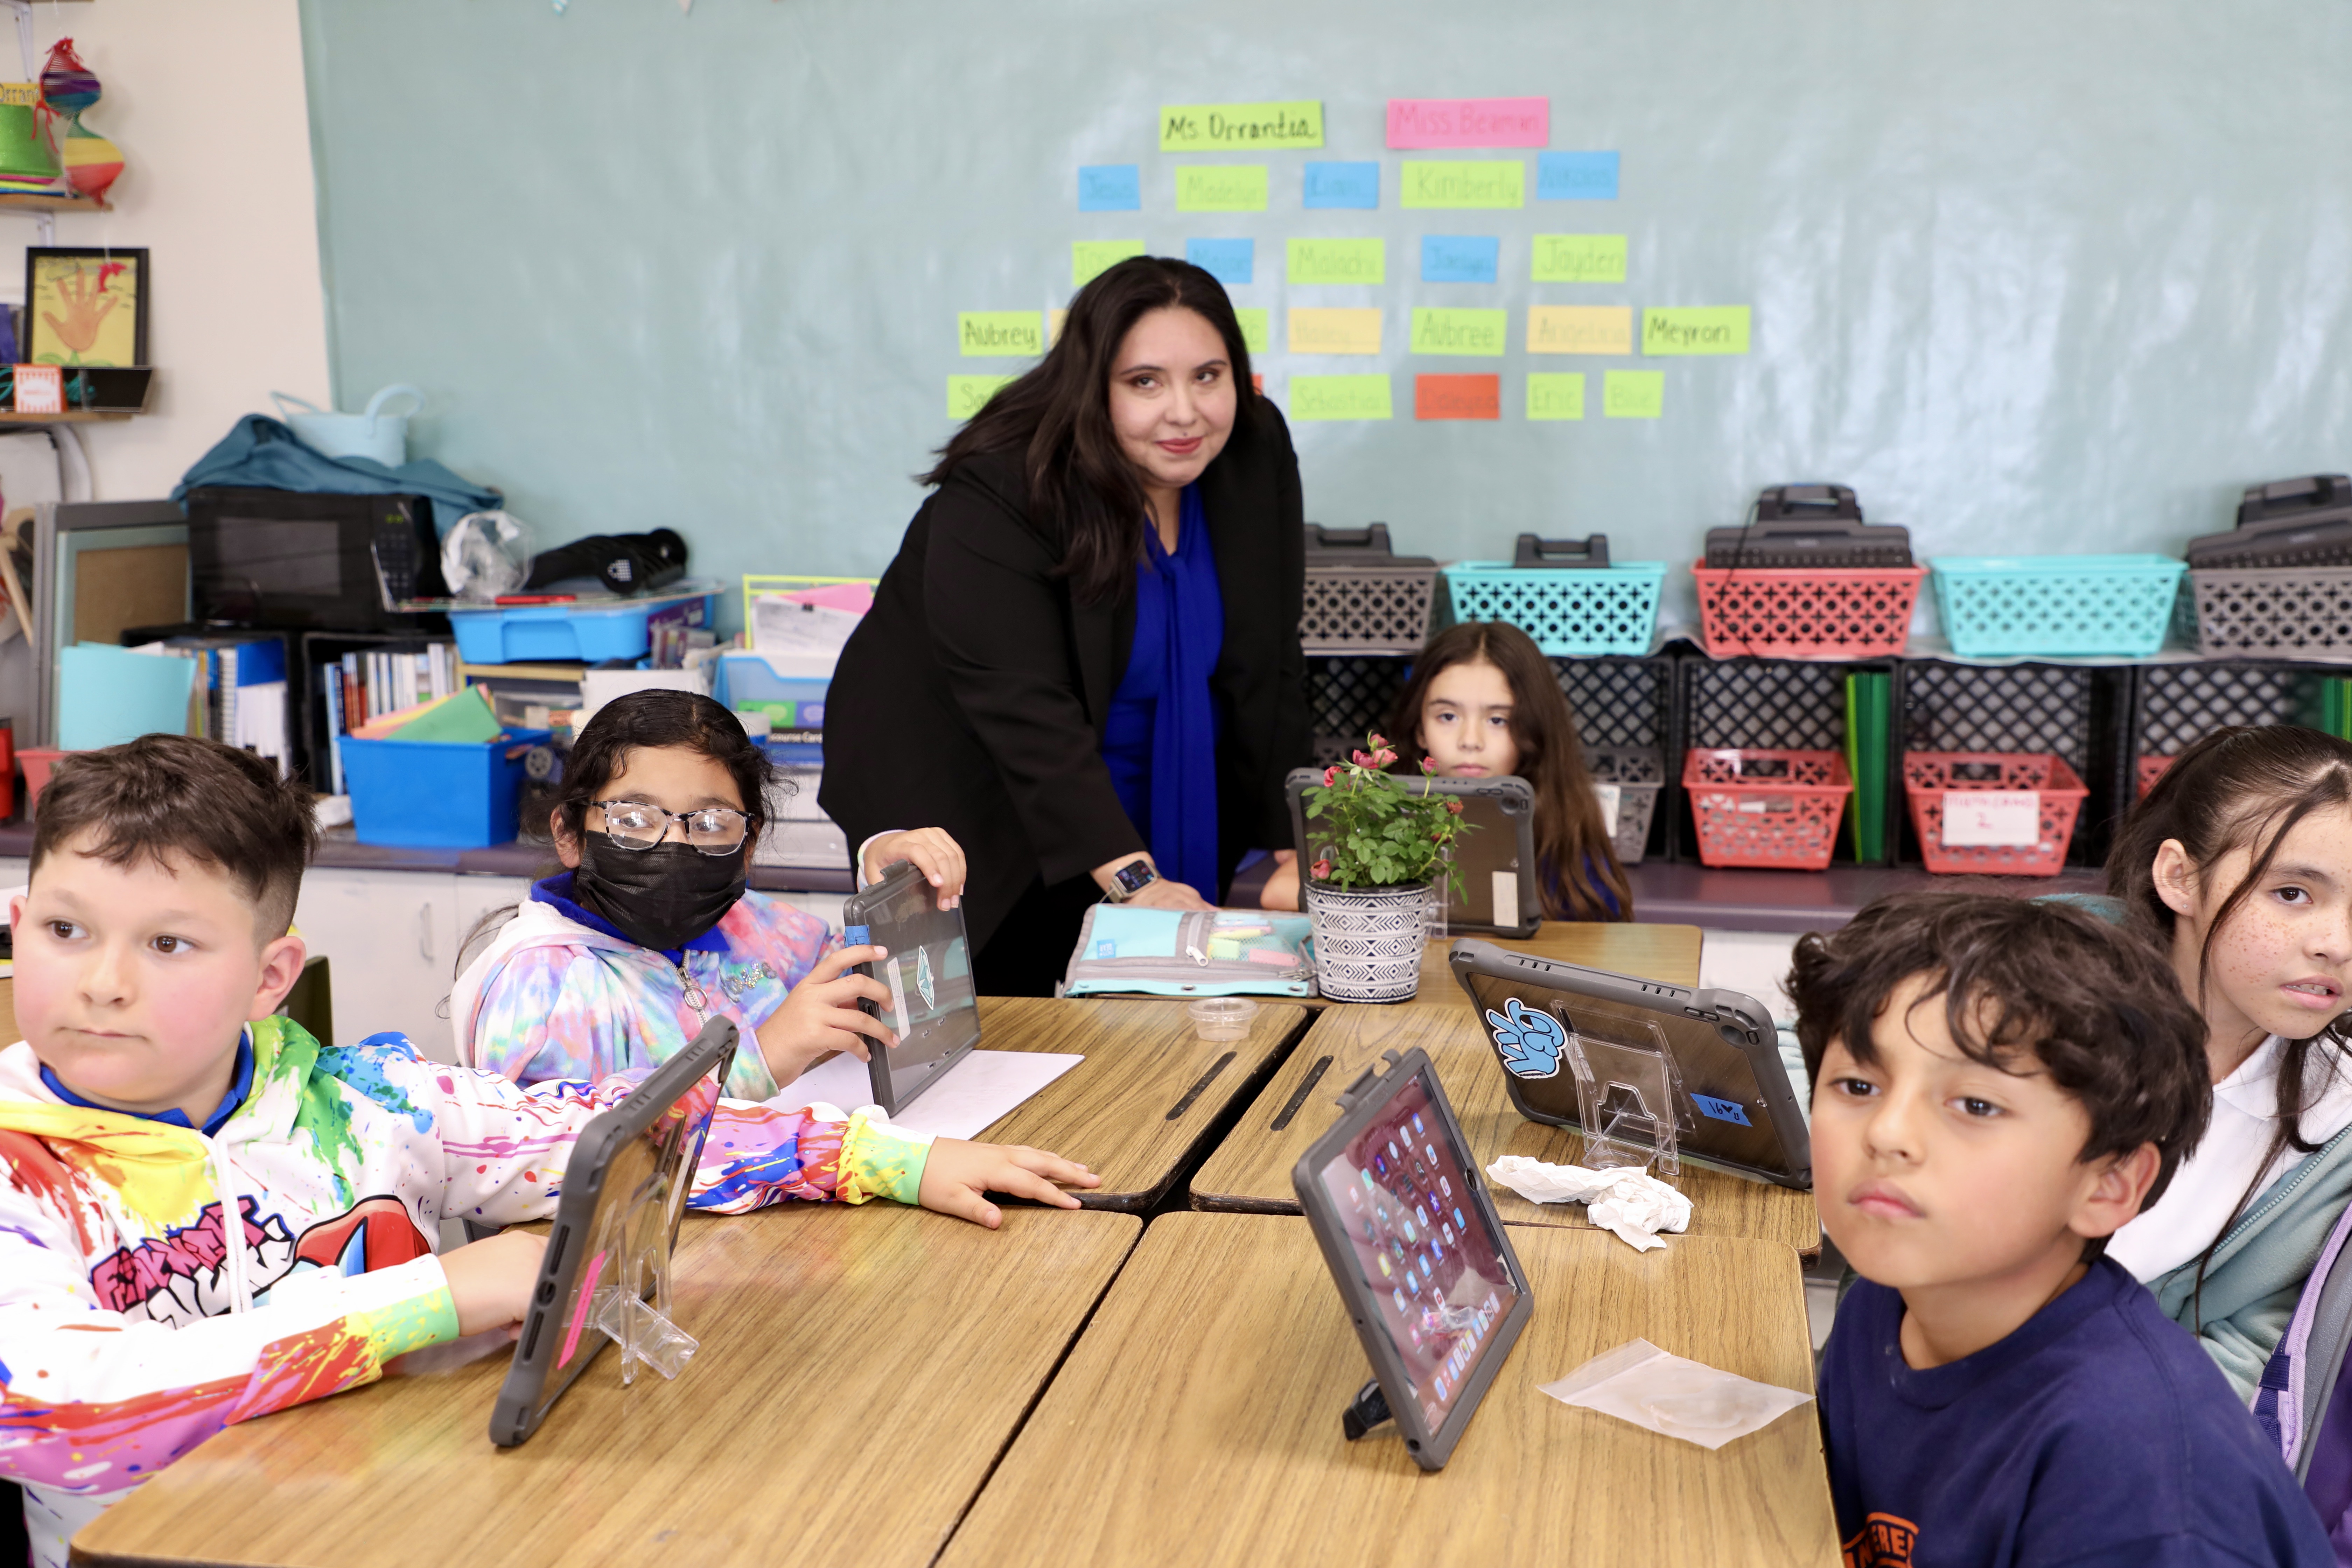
pixel 155 1096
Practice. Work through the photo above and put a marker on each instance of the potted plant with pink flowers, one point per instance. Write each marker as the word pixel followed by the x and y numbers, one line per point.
pixel 1381 843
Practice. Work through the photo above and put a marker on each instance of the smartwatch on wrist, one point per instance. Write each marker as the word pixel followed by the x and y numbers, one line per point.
pixel 1130 880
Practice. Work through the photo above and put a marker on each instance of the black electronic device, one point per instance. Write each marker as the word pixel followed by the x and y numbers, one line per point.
pixel 1494 858
pixel 934 1007
pixel 623 562
pixel 1732 1103
pixel 298 560
pixel 2294 522
pixel 1419 1255
pixel 1529 552
pixel 625 1182
pixel 1799 528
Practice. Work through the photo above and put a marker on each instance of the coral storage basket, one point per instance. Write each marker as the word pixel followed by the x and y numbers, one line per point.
pixel 1822 613
pixel 1773 809
pixel 1928 776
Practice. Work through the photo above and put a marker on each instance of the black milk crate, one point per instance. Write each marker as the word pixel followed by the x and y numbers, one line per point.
pixel 1348 694
pixel 2176 705
pixel 2076 712
pixel 1777 704
pixel 1624 711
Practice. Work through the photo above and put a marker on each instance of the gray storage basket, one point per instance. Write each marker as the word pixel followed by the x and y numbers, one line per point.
pixel 1639 774
pixel 2300 612
pixel 1361 597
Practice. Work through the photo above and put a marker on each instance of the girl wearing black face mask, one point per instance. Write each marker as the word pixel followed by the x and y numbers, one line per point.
pixel 651 931
pixel 618 962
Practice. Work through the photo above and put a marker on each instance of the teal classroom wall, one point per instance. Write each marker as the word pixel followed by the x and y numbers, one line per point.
pixel 2030 277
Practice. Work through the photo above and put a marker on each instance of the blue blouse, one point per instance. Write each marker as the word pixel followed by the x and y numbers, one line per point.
pixel 1160 743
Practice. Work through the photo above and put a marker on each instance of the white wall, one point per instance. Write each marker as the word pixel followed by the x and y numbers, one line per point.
pixel 205 100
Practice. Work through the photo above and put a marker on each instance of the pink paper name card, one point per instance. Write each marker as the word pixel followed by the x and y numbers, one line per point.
pixel 1469 121
pixel 40 389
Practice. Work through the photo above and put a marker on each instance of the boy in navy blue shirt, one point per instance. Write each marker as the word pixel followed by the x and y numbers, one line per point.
pixel 1999 1084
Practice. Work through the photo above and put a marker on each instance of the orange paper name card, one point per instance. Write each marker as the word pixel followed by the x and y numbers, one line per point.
pixel 40 389
pixel 1458 397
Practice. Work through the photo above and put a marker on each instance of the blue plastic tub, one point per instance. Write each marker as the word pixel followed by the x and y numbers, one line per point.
pixel 435 794
pixel 1570 612
pixel 2111 605
pixel 522 633
pixel 747 683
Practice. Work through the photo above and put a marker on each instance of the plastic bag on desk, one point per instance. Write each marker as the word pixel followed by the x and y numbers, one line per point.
pixel 1628 1201
pixel 1673 1395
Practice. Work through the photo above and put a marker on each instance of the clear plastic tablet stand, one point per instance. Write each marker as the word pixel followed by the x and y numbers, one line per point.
pixel 638 1239
pixel 1626 1101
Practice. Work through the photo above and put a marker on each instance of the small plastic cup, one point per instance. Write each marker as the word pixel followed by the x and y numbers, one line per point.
pixel 1222 1017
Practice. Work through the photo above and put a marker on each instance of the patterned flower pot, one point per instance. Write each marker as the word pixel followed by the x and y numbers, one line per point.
pixel 1368 941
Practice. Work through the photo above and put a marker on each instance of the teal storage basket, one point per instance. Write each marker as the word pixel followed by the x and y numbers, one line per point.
pixel 2116 606
pixel 435 794
pixel 1571 612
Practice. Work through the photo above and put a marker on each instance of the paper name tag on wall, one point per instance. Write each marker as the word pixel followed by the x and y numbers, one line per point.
pixel 1993 818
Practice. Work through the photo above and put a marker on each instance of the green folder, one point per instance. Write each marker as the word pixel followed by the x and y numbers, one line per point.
pixel 1869 695
pixel 465 717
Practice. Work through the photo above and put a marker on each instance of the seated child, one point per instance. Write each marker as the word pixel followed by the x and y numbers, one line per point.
pixel 1484 702
pixel 619 961
pixel 1999 1084
pixel 155 1094
pixel 2238 863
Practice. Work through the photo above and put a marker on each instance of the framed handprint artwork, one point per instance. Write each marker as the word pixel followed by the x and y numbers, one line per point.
pixel 84 307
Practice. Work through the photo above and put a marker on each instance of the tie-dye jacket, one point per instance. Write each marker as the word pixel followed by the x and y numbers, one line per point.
pixel 341 1166
pixel 551 998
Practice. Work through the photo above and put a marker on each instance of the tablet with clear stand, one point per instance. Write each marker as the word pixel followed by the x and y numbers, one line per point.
pixel 607 1271
pixel 1418 1253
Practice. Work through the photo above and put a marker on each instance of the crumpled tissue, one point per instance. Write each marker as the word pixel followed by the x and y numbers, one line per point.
pixel 1626 1199
pixel 1638 1381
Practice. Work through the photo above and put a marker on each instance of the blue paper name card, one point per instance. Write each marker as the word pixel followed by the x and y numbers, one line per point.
pixel 1576 176
pixel 1229 262
pixel 1459 257
pixel 1343 185
pixel 1110 188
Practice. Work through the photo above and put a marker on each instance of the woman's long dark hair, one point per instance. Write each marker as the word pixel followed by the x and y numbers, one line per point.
pixel 655 719
pixel 1577 859
pixel 2244 787
pixel 1081 486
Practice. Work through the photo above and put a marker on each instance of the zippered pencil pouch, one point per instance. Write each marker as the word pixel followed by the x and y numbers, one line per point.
pixel 1198 953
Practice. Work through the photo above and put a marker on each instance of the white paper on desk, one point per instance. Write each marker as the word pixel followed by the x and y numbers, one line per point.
pixel 970 1097
pixel 1638 1381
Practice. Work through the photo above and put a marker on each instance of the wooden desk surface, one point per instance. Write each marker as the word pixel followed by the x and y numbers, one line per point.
pixel 1250 1171
pixel 860 1371
pixel 1197 1421
pixel 1149 1091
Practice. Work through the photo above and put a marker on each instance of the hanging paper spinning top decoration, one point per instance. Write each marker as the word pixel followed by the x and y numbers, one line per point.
pixel 69 88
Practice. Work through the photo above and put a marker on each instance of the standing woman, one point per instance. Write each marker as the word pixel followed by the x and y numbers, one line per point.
pixel 1085 663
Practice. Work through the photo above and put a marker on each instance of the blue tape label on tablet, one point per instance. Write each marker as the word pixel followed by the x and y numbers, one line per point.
pixel 1530 1043
pixel 1721 1109
pixel 856 936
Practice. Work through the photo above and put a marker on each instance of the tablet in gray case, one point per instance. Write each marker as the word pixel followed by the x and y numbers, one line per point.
pixel 934 1008
pixel 1417 1250
pixel 634 1152
pixel 1501 815
pixel 1734 1107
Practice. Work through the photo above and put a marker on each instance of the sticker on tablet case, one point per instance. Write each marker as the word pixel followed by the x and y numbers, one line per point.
pixel 1530 1043
pixel 923 978
pixel 1721 1109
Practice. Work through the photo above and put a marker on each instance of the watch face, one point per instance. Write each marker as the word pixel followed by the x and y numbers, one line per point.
pixel 1135 875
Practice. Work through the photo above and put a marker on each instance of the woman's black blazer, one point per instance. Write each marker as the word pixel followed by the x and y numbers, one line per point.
pixel 975 695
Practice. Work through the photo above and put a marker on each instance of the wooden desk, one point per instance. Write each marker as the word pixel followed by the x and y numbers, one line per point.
pixel 860 1372
pixel 1197 1420
pixel 1147 1094
pixel 1250 1171
pixel 1653 951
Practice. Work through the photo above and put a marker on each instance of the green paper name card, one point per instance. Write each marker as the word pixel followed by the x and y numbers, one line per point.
pixel 1338 262
pixel 1695 330
pixel 1633 394
pixel 1457 332
pixel 1553 395
pixel 968 395
pixel 1580 258
pixel 1432 183
pixel 1339 397
pixel 1001 332
pixel 1221 188
pixel 1220 127
pixel 1256 335
pixel 1089 257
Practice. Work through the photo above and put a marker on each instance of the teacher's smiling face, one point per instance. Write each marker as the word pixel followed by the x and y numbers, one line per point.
pixel 1171 396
